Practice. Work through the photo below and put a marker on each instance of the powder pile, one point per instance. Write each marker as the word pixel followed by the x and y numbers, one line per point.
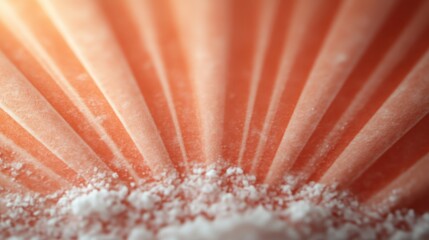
pixel 207 203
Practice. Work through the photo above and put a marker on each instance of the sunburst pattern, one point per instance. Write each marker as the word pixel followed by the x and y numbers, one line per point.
pixel 333 91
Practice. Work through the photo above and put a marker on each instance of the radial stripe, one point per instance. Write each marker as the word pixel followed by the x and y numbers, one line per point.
pixel 205 36
pixel 302 15
pixel 396 53
pixel 87 33
pixel 140 11
pixel 401 111
pixel 268 12
pixel 345 44
pixel 39 118
pixel 21 155
pixel 31 42
pixel 405 189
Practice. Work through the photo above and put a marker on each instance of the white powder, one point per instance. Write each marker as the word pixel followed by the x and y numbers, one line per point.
pixel 103 203
pixel 299 210
pixel 140 232
pixel 210 203
pixel 143 200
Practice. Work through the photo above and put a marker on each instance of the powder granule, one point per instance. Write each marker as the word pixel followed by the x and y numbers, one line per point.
pixel 99 202
pixel 209 203
pixel 257 223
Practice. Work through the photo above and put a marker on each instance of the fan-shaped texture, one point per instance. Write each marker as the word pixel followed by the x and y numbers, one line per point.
pixel 335 92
